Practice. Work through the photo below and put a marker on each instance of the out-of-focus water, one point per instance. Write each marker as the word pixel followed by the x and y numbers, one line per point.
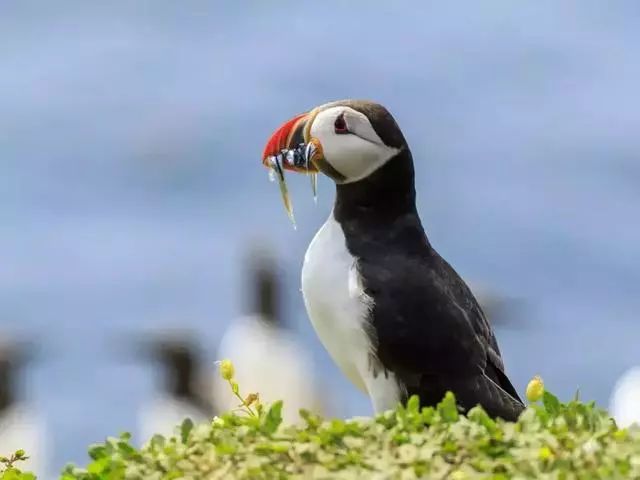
pixel 130 183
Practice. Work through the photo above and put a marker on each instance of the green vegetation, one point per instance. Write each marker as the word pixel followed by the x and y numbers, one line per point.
pixel 551 439
pixel 9 470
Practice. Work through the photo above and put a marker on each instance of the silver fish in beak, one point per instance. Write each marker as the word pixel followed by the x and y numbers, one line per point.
pixel 296 159
pixel 290 148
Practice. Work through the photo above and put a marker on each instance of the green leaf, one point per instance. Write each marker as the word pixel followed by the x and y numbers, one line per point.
pixel 273 418
pixel 448 408
pixel 173 475
pixel 99 466
pixel 428 415
pixel 413 404
pixel 313 421
pixel 157 441
pixel 185 429
pixel 126 449
pixel 11 474
pixel 337 428
pixel 226 449
pixel 268 448
pixel 97 451
pixel 551 403
pixel 479 416
pixel 15 474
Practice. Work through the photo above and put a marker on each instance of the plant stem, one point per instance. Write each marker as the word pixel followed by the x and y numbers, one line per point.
pixel 249 409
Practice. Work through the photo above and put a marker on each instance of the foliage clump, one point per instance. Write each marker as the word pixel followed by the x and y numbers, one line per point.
pixel 550 440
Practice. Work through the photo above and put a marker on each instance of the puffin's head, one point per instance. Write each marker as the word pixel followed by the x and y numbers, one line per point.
pixel 348 139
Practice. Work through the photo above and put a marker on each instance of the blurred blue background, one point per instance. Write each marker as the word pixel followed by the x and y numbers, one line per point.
pixel 131 184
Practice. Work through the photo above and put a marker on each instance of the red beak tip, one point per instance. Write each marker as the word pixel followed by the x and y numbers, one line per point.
pixel 279 138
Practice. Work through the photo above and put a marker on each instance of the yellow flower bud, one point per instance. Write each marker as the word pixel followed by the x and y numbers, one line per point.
pixel 545 453
pixel 226 369
pixel 535 389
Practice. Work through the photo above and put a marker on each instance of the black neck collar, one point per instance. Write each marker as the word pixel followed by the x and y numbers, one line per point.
pixel 388 192
pixel 378 214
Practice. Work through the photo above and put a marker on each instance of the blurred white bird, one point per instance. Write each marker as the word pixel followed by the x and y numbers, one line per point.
pixel 21 426
pixel 267 358
pixel 184 393
pixel 624 405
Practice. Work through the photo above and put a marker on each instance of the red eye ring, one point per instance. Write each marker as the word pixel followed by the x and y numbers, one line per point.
pixel 340 125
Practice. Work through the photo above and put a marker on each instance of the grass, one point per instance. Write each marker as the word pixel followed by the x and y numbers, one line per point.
pixel 551 439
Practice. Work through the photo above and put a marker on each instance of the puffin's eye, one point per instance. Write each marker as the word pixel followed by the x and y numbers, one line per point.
pixel 340 126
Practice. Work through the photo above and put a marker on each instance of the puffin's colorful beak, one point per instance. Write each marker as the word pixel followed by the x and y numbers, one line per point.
pixel 290 135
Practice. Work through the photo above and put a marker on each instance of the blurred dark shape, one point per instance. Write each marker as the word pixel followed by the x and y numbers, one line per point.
pixel 12 358
pixel 15 356
pixel 500 310
pixel 268 359
pixel 185 391
pixel 265 287
pixel 182 367
pixel 20 425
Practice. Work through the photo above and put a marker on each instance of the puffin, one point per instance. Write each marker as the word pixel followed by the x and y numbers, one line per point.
pixel 624 403
pixel 183 393
pixel 391 312
pixel 21 425
pixel 268 359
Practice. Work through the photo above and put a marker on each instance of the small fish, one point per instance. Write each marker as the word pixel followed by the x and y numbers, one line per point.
pixel 306 152
pixel 314 186
pixel 297 157
pixel 276 165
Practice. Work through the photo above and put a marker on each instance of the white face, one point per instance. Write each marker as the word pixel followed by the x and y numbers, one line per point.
pixel 349 142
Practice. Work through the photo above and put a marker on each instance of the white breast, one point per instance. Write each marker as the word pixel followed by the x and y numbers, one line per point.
pixel 625 400
pixel 338 309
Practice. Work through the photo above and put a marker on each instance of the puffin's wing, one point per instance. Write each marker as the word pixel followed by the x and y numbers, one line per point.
pixel 469 391
pixel 432 334
pixel 462 295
